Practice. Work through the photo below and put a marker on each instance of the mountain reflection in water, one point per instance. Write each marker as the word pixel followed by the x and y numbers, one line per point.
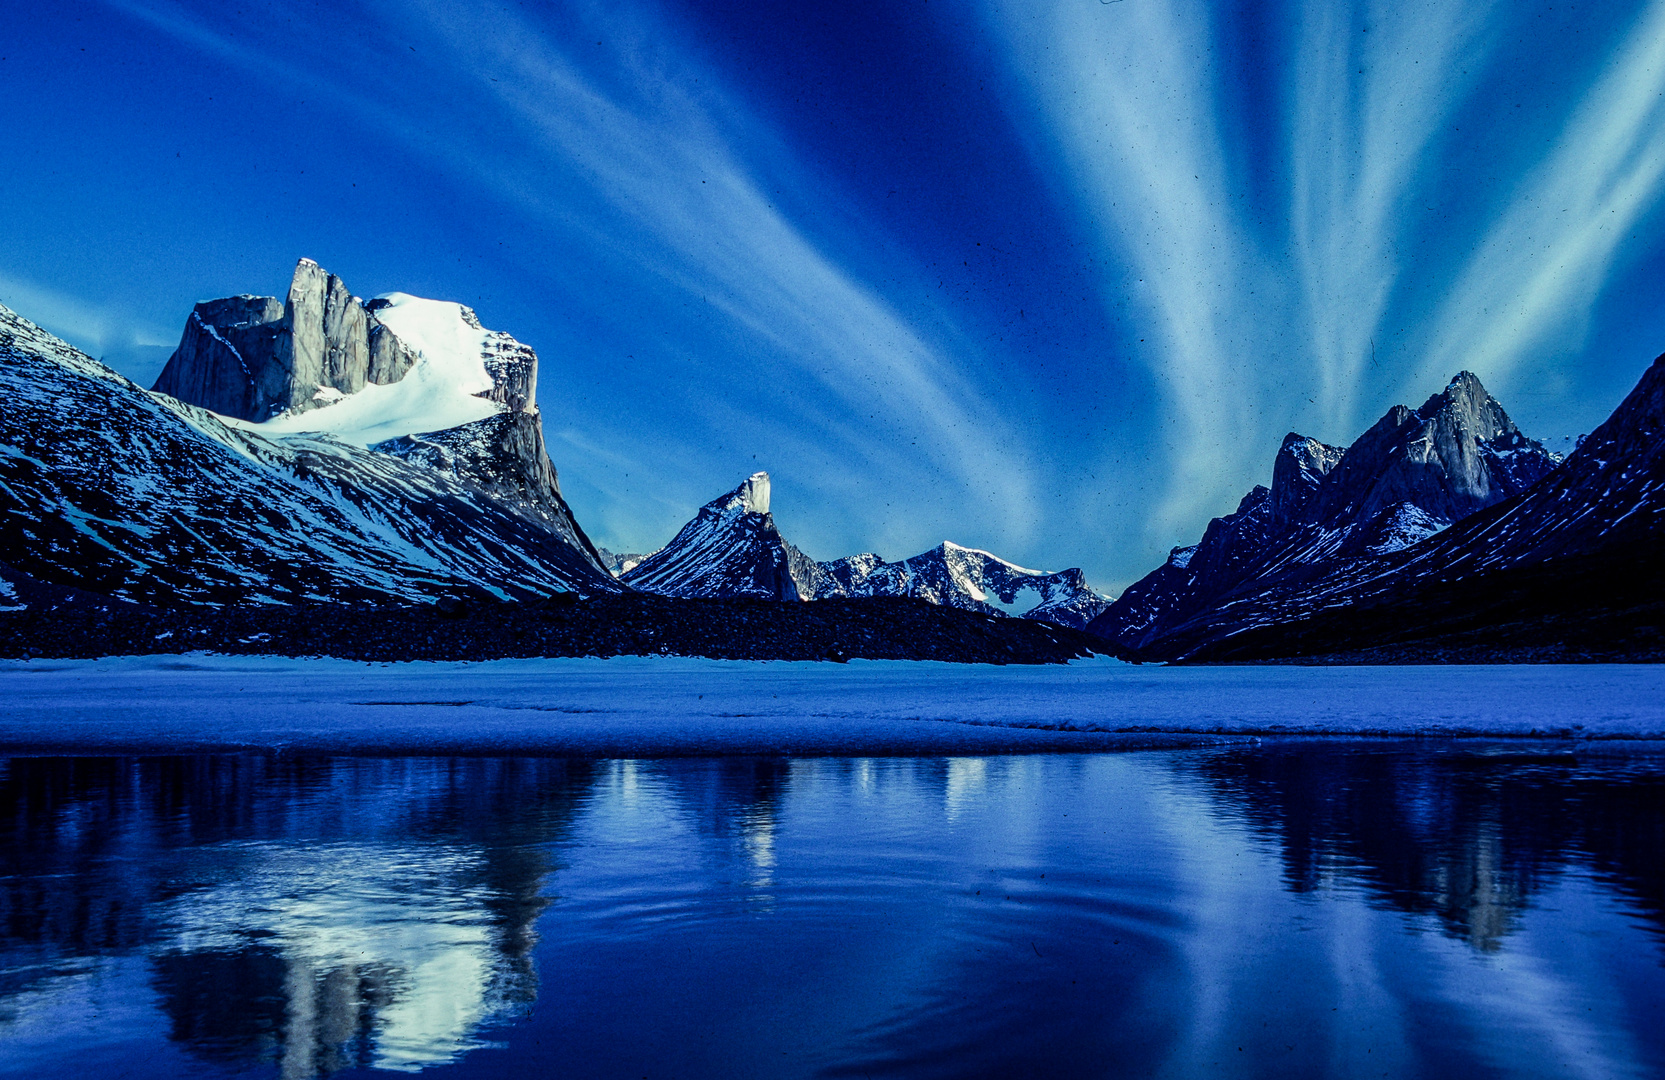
pixel 1276 909
pixel 318 914
pixel 1467 836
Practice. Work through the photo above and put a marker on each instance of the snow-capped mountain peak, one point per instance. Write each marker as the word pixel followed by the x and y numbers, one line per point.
pixel 417 379
pixel 953 575
pixel 142 496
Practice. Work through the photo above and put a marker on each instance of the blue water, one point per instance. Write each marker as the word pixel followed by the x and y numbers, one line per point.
pixel 1318 909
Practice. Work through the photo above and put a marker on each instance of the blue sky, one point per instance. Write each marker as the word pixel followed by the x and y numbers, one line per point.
pixel 1047 278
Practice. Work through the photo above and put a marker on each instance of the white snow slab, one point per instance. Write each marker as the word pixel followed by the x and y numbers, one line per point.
pixel 650 706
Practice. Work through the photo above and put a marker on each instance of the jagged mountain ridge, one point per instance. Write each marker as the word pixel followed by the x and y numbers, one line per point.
pixel 1572 555
pixel 137 495
pixel 969 578
pixel 1412 474
pixel 732 547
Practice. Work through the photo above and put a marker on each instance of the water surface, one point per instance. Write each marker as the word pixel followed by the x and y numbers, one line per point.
pixel 1436 908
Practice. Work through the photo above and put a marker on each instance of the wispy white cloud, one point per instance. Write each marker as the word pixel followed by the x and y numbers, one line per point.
pixel 667 154
pixel 1370 89
pixel 1266 244
pixel 1257 322
pixel 1130 91
pixel 94 328
pixel 1541 266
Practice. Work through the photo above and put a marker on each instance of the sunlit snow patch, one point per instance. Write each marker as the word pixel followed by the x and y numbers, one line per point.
pixel 439 392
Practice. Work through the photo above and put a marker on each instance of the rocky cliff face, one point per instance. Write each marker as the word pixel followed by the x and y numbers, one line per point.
pixel 255 357
pixel 305 362
pixel 1457 454
pixel 1412 474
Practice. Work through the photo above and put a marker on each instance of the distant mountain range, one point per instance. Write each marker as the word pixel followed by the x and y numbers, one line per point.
pixel 733 548
pixel 322 448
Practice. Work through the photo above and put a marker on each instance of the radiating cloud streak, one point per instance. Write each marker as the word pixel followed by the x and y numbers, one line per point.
pixel 1261 319
pixel 1284 227
pixel 1542 265
pixel 664 158
pixel 1254 321
pixel 1371 87
pixel 1132 96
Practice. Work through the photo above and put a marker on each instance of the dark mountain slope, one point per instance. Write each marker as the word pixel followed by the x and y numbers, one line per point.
pixel 730 548
pixel 1570 569
pixel 1412 474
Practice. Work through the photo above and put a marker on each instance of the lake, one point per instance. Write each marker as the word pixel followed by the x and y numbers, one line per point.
pixel 1292 907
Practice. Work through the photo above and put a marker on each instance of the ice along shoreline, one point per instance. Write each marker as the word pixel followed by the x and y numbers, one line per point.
pixel 677 706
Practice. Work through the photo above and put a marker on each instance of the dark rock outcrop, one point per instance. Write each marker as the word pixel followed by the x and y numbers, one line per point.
pixel 1410 475
pixel 504 456
pixel 735 628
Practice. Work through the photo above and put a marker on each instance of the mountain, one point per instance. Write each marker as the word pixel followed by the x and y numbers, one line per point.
pixel 418 379
pixel 733 548
pixel 730 548
pixel 961 577
pixel 1410 476
pixel 617 562
pixel 430 486
pixel 1569 569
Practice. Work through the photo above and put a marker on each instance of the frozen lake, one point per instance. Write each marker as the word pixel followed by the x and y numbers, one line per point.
pixel 651 707
pixel 1343 907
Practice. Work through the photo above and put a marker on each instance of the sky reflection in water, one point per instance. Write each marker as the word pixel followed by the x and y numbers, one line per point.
pixel 1289 910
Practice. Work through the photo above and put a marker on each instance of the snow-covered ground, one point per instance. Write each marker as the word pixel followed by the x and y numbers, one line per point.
pixel 649 706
